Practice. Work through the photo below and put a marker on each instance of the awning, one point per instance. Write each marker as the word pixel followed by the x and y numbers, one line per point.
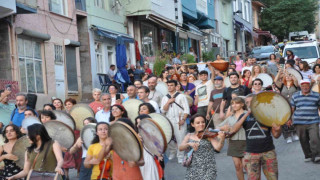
pixel 162 22
pixel 34 34
pixel 194 32
pixel 24 9
pixel 263 33
pixel 112 34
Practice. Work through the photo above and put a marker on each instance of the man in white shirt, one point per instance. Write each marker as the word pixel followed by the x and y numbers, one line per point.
pixel 104 114
pixel 143 93
pixel 176 108
pixel 203 91
pixel 248 65
pixel 154 95
pixel 112 71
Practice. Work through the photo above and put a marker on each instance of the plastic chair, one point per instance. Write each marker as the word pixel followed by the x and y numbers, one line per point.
pixel 103 83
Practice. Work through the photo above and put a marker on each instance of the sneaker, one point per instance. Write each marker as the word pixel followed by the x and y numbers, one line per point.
pixel 289 140
pixel 316 159
pixel 307 160
pixel 295 137
pixel 171 156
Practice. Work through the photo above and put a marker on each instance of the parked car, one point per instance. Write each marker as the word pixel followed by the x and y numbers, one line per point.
pixel 262 53
pixel 305 50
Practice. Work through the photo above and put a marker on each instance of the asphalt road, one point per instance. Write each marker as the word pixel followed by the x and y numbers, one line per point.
pixel 290 160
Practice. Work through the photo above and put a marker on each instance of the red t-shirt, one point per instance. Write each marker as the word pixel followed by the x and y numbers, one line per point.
pixel 148 71
pixel 96 106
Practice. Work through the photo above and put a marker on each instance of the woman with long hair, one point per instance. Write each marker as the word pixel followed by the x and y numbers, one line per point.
pixel 58 104
pixel 11 134
pixel 272 64
pixel 287 85
pixel 100 169
pixel 305 70
pixel 237 143
pixel 290 55
pixel 46 116
pixel 256 70
pixel 316 73
pixel 41 145
pixel 239 63
pixel 203 164
pixel 117 112
pixel 163 76
pixel 246 77
pixel 84 173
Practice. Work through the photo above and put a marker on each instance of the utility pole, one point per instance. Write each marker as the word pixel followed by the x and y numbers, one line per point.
pixel 177 28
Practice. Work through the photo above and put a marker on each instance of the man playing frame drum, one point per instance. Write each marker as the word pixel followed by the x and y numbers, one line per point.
pixel 176 108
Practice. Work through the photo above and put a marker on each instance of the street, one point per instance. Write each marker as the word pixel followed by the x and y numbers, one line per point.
pixel 290 160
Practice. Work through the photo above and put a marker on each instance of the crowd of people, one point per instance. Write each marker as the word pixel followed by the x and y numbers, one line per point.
pixel 220 100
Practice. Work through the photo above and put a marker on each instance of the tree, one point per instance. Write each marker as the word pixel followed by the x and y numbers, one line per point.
pixel 286 16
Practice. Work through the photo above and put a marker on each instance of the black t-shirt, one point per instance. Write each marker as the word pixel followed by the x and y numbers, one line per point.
pixel 258 136
pixel 243 91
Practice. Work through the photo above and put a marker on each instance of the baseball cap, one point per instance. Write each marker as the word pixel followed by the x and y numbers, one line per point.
pixel 305 81
pixel 218 78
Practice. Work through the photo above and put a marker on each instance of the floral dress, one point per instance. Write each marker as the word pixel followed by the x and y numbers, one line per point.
pixel 10 168
pixel 203 164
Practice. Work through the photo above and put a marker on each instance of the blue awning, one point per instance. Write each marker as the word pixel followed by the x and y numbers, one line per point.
pixel 119 37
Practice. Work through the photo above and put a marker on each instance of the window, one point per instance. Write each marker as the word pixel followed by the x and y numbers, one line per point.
pixel 183 45
pixel 30 66
pixel 166 38
pixel 58 6
pixel 99 4
pixel 225 12
pixel 58 54
pixel 99 58
pixel 147 40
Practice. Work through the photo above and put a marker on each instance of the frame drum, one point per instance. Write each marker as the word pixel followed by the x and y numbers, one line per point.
pixel 295 73
pixel 197 82
pixel 79 112
pixel 19 149
pixel 165 125
pixel 153 137
pixel 87 134
pixel 132 107
pixel 266 79
pixel 162 88
pixel 189 99
pixel 125 142
pixel 270 107
pixel 65 118
pixel 60 132
pixel 29 121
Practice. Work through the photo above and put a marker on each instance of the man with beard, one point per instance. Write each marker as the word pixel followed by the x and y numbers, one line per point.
pixel 154 94
pixel 235 85
pixel 189 88
pixel 17 114
pixel 132 93
pixel 143 93
pixel 215 101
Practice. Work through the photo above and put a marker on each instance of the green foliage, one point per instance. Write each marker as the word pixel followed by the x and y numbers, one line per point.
pixel 208 56
pixel 160 62
pixel 284 16
pixel 188 57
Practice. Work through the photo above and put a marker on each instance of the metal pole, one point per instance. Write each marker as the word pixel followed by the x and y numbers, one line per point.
pixel 177 23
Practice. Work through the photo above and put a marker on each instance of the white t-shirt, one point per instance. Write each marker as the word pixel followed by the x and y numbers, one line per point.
pixel 155 105
pixel 102 116
pixel 246 67
pixel 203 92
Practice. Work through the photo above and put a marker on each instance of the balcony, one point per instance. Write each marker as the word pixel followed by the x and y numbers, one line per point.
pixel 27 6
pixel 189 9
pixel 81 5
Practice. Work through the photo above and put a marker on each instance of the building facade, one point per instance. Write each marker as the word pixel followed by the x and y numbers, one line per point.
pixel 44 44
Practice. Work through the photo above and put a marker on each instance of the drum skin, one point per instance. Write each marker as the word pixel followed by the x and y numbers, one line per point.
pixel 153 136
pixel 65 118
pixel 189 99
pixel 60 132
pixel 125 142
pixel 29 121
pixel 266 79
pixel 19 149
pixel 132 107
pixel 162 88
pixel 270 107
pixel 79 112
pixel 87 134
pixel 295 73
pixel 165 125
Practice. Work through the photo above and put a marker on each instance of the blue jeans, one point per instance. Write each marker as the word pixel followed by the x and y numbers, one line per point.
pixel 85 173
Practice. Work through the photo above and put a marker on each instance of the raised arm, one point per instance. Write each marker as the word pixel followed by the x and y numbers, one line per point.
pixel 235 128
pixel 58 154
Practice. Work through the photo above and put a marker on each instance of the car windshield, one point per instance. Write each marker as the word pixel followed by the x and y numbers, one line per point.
pixel 304 52
pixel 263 49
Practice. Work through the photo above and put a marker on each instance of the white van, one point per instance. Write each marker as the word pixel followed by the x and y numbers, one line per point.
pixel 305 50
